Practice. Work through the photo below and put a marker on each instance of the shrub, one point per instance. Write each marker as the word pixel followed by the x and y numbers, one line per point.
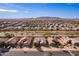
pixel 8 35
pixel 50 53
pixel 2 44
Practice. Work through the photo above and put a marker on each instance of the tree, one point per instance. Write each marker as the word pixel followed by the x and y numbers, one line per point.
pixel 37 44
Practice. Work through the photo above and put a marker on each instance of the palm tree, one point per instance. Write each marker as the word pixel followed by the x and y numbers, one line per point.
pixel 32 43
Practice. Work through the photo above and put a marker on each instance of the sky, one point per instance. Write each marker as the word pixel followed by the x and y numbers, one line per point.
pixel 29 10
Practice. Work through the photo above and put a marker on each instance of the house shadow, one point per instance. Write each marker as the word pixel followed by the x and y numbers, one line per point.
pixel 3 50
pixel 54 45
pixel 45 45
pixel 76 44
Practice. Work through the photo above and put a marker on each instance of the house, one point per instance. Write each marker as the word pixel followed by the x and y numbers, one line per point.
pixel 25 41
pixel 12 42
pixel 58 40
pixel 75 41
pixel 41 41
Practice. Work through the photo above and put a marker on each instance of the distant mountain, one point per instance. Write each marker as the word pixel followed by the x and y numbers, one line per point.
pixel 40 18
pixel 49 18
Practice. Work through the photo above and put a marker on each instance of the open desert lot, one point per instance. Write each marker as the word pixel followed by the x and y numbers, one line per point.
pixel 32 33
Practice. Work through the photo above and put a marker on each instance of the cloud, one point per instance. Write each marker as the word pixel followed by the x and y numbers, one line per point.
pixel 7 10
pixel 13 11
pixel 26 11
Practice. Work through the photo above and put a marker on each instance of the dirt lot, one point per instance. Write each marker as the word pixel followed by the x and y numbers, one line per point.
pixel 22 33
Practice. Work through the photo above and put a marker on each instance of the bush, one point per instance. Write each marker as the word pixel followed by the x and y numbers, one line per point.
pixel 8 35
pixel 47 34
pixel 50 53
pixel 2 44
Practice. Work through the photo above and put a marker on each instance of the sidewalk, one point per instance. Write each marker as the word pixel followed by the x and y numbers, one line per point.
pixel 45 49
